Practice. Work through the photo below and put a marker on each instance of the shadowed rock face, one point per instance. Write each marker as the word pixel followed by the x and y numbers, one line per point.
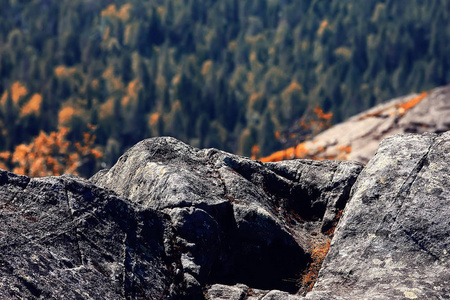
pixel 66 238
pixel 236 220
pixel 169 221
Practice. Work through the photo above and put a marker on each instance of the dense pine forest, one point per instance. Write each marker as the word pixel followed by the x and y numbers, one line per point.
pixel 83 80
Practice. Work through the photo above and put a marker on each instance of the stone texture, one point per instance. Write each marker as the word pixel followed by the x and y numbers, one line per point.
pixel 64 238
pixel 169 221
pixel 236 219
pixel 393 241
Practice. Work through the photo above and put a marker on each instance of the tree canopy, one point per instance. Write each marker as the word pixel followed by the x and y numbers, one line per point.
pixel 228 74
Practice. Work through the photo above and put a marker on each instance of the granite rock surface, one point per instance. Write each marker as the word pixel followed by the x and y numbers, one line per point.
pixel 169 221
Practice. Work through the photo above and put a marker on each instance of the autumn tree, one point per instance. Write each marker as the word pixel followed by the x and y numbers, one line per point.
pixel 52 154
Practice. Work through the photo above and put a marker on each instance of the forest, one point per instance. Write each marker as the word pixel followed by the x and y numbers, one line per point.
pixel 83 80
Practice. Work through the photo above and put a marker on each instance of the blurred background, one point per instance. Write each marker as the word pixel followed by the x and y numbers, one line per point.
pixel 83 80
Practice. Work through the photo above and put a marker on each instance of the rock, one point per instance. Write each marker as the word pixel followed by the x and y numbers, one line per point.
pixel 169 221
pixel 393 241
pixel 236 219
pixel 357 138
pixel 63 237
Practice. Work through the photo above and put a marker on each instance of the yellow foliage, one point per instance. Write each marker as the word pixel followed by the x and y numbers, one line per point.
pixel 32 106
pixel 109 11
pixel 255 97
pixel 344 52
pixel 50 154
pixel 4 98
pixel 117 84
pixel 154 118
pixel 293 87
pixel 123 13
pixel 323 25
pixel 232 46
pixel 127 34
pixel 65 115
pixel 133 88
pixel 3 166
pixel 253 56
pixel 255 151
pixel 18 91
pixel 176 79
pixel 106 33
pixel 206 68
pixel 108 73
pixel 95 84
pixel 107 109
pixel 60 71
pixel 63 71
pixel 5 155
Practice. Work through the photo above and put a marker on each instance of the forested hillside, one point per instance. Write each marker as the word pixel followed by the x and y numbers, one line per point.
pixel 214 73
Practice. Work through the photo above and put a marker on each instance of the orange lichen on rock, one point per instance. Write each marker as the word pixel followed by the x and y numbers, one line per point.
pixel 318 255
pixel 411 103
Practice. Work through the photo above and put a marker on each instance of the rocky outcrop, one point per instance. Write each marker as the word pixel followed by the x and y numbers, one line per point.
pixel 65 238
pixel 236 219
pixel 357 138
pixel 393 241
pixel 169 221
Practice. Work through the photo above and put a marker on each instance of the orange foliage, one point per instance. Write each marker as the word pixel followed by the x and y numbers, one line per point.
pixel 313 123
pixel 133 88
pixel 50 154
pixel 107 109
pixel 317 255
pixel 63 71
pixel 207 65
pixel 253 99
pixel 65 115
pixel 323 25
pixel 32 106
pixel 255 151
pixel 154 118
pixel 4 98
pixel 123 13
pixel 18 91
pixel 277 135
pixel 176 79
pixel 293 86
pixel 319 112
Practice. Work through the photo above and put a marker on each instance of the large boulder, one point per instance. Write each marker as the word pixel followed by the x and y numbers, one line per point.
pixel 236 219
pixel 393 241
pixel 63 237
